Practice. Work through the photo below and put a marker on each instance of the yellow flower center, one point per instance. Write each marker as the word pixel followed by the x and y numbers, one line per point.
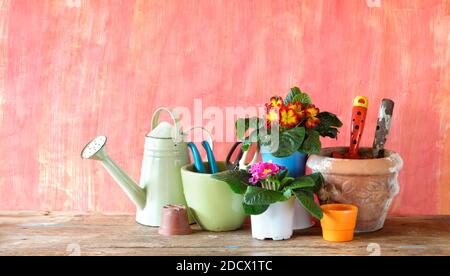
pixel 288 117
pixel 312 112
pixel 272 116
pixel 276 103
pixel 267 171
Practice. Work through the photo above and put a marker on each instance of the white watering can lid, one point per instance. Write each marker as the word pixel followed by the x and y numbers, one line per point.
pixel 163 130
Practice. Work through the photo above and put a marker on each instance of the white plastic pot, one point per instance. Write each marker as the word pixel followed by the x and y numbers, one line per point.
pixel 276 223
pixel 302 218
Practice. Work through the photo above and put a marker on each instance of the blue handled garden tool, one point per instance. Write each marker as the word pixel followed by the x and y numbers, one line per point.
pixel 198 163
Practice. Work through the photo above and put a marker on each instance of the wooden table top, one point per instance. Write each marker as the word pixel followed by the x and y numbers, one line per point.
pixel 49 233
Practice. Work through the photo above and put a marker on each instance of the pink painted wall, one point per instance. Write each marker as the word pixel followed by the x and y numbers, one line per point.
pixel 72 69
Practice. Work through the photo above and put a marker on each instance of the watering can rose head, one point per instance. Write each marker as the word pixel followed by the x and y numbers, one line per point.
pixel 266 183
pixel 297 121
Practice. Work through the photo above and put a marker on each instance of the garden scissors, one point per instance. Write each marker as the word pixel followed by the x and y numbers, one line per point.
pixel 198 163
pixel 241 158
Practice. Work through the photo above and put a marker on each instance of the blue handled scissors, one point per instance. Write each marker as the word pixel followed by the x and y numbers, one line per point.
pixel 198 163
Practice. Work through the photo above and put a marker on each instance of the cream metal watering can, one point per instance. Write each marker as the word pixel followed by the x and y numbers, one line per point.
pixel 165 152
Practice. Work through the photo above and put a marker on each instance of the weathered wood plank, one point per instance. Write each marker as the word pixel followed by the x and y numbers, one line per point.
pixel 41 233
pixel 70 70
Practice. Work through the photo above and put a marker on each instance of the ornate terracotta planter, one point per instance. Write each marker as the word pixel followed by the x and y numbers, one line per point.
pixel 370 184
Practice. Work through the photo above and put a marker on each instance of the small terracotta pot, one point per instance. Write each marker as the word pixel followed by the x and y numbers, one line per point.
pixel 174 221
pixel 370 184
pixel 338 222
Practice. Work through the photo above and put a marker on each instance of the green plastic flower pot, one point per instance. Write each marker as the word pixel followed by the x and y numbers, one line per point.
pixel 211 202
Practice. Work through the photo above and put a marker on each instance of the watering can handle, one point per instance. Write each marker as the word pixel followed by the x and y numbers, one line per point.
pixel 209 139
pixel 155 121
pixel 243 165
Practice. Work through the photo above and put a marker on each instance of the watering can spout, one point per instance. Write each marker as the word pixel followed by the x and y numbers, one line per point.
pixel 96 150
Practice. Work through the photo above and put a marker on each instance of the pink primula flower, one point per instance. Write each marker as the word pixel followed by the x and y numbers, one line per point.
pixel 262 170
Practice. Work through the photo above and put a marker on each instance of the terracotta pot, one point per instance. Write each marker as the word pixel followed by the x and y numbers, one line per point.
pixel 174 221
pixel 338 222
pixel 370 184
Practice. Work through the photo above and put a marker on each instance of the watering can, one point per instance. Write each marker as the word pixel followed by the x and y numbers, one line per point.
pixel 165 152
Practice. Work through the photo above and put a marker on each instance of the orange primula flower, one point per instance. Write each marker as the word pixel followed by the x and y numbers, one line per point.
pixel 275 102
pixel 273 110
pixel 311 113
pixel 273 116
pixel 312 122
pixel 288 117
pixel 298 108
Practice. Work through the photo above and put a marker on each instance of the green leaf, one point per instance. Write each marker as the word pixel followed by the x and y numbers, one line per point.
pixel 302 182
pixel 312 144
pixel 296 95
pixel 285 181
pixel 330 132
pixel 252 138
pixel 258 196
pixel 318 181
pixel 303 98
pixel 306 198
pixel 329 124
pixel 255 209
pixel 287 193
pixel 244 124
pixel 328 119
pixel 299 183
pixel 290 142
pixel 283 175
pixel 237 180
pixel 290 97
pixel 246 145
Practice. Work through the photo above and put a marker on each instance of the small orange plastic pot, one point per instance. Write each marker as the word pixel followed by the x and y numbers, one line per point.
pixel 338 222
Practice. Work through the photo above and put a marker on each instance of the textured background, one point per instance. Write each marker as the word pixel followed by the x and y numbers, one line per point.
pixel 72 69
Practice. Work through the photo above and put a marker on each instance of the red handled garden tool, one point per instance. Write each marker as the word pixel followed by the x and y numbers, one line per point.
pixel 360 104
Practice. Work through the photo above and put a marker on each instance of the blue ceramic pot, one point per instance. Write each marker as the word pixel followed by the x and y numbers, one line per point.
pixel 295 163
